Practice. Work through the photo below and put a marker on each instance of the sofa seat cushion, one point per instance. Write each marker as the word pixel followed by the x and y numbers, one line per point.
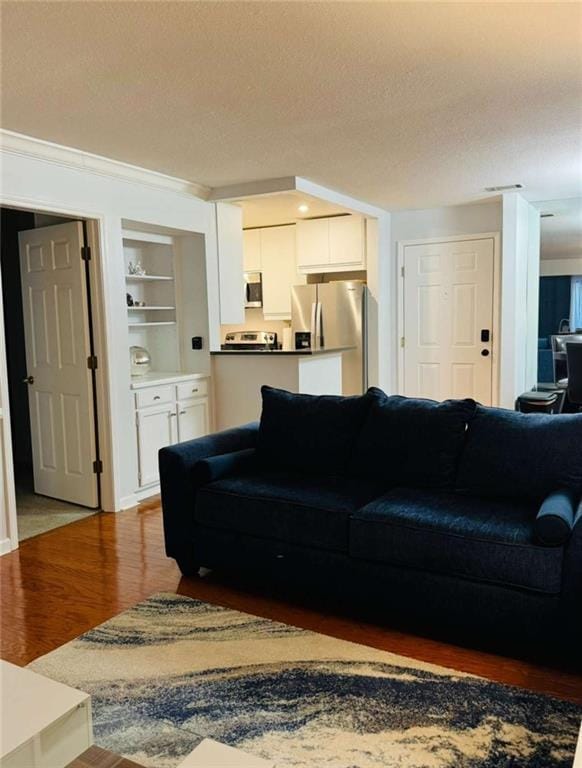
pixel 478 539
pixel 311 511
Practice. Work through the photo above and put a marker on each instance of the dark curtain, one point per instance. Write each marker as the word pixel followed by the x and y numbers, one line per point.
pixel 554 303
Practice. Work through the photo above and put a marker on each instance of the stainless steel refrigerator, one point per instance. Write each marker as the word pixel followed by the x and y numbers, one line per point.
pixel 332 315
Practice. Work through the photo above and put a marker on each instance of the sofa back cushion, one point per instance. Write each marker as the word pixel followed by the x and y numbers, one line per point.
pixel 314 434
pixel 519 455
pixel 412 442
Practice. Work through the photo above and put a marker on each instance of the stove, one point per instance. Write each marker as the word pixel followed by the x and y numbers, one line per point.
pixel 249 340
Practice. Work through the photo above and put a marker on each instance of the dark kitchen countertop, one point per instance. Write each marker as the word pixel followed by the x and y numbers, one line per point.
pixel 296 352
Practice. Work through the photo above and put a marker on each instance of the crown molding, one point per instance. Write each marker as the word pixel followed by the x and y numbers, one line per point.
pixel 68 157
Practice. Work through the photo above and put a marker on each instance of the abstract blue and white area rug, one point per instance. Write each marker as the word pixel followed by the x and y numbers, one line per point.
pixel 172 671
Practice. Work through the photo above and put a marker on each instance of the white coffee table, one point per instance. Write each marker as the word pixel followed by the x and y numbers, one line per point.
pixel 212 754
pixel 44 724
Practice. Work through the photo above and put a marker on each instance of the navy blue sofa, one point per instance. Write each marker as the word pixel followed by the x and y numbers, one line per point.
pixel 458 520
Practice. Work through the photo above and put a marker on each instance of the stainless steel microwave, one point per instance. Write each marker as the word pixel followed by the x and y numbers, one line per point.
pixel 253 289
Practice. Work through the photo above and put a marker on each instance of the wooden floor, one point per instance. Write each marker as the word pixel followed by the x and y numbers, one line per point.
pixel 64 582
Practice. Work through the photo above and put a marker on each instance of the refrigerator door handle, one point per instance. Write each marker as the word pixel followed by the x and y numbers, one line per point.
pixel 318 325
pixel 313 328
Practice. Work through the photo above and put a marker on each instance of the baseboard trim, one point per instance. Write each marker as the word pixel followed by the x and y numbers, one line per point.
pixel 127 502
pixel 5 546
pixel 133 499
pixel 147 493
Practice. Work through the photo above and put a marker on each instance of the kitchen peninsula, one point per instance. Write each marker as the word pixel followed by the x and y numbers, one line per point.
pixel 239 375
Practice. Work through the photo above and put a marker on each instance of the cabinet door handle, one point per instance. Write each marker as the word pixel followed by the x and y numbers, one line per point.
pixel 173 414
pixel 156 397
pixel 195 390
pixel 182 413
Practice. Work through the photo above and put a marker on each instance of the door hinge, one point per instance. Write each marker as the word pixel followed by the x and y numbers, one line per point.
pixel 401 271
pixel 86 252
pixel 98 467
pixel 402 341
pixel 92 362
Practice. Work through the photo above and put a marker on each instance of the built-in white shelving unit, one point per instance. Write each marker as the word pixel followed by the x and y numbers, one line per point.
pixel 167 307
pixel 146 278
pixel 154 325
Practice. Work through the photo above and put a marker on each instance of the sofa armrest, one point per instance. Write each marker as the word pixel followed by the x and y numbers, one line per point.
pixel 572 575
pixel 178 483
pixel 216 467
pixel 555 519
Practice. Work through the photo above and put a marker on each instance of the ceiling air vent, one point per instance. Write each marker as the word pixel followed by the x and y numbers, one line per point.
pixel 504 188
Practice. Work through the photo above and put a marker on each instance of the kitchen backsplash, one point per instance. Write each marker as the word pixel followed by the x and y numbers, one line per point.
pixel 254 321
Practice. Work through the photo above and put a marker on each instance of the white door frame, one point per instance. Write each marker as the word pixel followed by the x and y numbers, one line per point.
pixel 97 270
pixel 495 331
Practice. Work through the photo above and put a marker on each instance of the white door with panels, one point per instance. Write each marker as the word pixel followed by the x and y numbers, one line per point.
pixel 60 390
pixel 448 320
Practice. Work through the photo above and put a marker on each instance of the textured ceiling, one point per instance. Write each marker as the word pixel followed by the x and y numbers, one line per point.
pixel 399 104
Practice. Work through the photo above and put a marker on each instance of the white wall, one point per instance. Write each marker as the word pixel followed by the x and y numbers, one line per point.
pixel 533 296
pixel 557 267
pixel 520 297
pixel 40 176
pixel 7 505
pixel 448 221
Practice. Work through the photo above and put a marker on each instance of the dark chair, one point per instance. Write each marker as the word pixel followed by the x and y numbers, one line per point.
pixel 538 402
pixel 574 353
pixel 559 342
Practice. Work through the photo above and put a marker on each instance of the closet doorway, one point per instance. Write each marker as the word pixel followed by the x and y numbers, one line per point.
pixel 51 366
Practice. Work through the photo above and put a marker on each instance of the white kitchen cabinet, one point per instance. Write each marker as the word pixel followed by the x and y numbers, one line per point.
pixel 252 250
pixel 312 243
pixel 332 244
pixel 347 241
pixel 272 251
pixel 279 271
pixel 192 419
pixel 168 412
pixel 156 428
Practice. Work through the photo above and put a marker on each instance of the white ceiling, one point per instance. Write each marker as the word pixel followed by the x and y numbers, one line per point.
pixel 561 234
pixel 404 105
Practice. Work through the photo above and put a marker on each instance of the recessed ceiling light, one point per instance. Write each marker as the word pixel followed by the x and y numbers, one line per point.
pixel 303 208
pixel 503 187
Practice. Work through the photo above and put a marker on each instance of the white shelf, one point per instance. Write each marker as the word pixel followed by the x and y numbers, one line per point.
pixel 149 309
pixel 145 278
pixel 149 238
pixel 148 324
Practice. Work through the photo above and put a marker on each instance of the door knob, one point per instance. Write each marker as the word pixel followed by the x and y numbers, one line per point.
pixel 28 380
pixel 485 352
